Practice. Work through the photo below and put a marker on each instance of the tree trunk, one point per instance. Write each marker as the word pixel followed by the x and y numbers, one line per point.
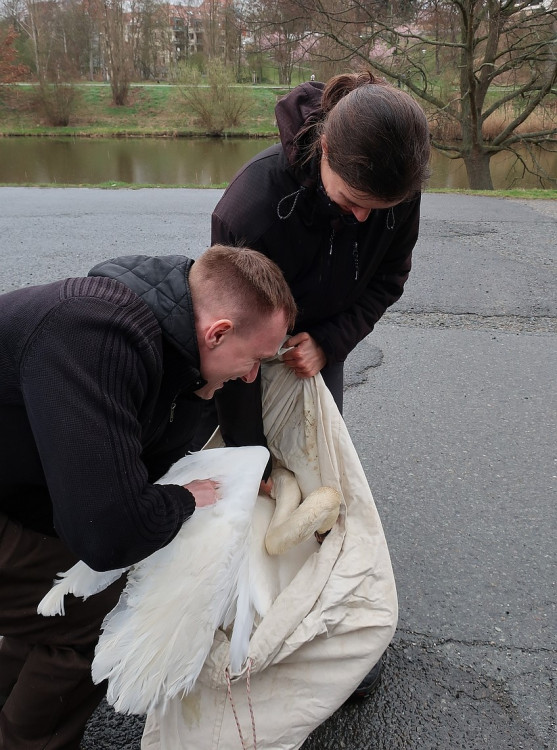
pixel 117 51
pixel 477 169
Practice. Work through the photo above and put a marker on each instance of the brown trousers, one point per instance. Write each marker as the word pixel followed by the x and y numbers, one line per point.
pixel 45 662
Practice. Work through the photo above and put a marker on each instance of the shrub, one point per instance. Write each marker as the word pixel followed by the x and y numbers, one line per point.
pixel 56 102
pixel 213 98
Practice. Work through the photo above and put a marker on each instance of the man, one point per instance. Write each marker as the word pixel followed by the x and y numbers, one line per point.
pixel 101 387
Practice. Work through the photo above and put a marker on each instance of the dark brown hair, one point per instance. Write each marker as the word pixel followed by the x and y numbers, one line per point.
pixel 377 136
pixel 242 282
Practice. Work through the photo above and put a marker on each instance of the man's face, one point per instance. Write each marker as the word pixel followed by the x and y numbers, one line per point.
pixel 227 355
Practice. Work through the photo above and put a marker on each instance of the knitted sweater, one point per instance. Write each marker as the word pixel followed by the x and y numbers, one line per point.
pixel 96 402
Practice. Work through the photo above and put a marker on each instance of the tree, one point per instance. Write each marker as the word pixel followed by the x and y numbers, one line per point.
pixel 117 50
pixel 51 42
pixel 281 30
pixel 485 70
pixel 210 12
pixel 38 21
pixel 82 26
pixel 149 35
pixel 10 70
pixel 232 37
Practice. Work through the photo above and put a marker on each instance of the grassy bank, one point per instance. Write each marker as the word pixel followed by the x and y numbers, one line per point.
pixel 516 193
pixel 152 110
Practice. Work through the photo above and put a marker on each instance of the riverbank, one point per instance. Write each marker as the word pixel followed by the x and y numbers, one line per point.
pixel 516 194
pixel 153 110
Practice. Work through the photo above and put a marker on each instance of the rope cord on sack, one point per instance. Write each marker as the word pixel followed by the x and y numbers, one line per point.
pixel 248 690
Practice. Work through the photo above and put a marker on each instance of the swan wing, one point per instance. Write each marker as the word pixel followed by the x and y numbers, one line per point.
pixel 155 642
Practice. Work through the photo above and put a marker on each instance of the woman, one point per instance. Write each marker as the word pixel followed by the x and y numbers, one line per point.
pixel 336 205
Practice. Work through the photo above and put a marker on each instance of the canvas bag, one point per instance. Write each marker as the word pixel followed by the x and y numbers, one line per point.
pixel 337 607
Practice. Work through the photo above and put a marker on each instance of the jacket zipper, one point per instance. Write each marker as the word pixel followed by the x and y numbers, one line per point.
pixel 355 255
pixel 172 408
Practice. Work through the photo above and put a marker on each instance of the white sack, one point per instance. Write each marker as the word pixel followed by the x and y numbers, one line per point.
pixel 337 609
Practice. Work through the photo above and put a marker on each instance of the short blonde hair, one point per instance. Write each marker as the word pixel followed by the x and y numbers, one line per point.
pixel 242 282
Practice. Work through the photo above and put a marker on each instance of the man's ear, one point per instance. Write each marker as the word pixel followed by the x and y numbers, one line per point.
pixel 324 147
pixel 217 331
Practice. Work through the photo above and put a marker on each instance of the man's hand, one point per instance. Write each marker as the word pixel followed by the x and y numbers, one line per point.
pixel 205 491
pixel 306 357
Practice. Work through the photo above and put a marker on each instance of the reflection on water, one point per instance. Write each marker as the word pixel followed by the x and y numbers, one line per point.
pixel 185 161
pixel 199 161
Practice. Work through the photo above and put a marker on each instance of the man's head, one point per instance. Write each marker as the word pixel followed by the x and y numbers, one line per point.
pixel 243 309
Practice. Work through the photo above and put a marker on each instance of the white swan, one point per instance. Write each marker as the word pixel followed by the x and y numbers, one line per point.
pixel 214 574
pixel 155 641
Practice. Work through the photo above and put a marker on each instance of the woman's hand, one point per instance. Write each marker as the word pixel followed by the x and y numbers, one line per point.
pixel 205 491
pixel 306 357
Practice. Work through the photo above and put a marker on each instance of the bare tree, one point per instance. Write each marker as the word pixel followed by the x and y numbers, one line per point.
pixel 149 36
pixel 485 70
pixel 38 22
pixel 210 12
pixel 81 26
pixel 57 36
pixel 282 31
pixel 117 50
pixel 232 27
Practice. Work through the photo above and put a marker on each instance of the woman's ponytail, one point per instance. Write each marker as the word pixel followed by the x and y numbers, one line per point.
pixel 341 85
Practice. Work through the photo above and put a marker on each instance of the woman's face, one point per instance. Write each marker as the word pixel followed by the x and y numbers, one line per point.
pixel 349 201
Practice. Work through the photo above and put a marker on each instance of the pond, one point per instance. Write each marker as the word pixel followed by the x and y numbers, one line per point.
pixel 189 161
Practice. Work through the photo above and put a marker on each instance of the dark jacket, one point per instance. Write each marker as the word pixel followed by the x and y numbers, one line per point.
pixel 343 274
pixel 96 403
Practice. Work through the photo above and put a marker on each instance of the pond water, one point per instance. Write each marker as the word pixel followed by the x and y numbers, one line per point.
pixel 191 161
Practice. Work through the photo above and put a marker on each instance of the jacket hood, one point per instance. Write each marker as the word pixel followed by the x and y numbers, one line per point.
pixel 294 111
pixel 162 283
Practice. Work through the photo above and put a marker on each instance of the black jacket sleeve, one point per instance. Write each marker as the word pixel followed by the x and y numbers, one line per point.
pixel 87 378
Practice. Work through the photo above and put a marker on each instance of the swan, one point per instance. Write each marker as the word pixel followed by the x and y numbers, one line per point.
pixel 216 573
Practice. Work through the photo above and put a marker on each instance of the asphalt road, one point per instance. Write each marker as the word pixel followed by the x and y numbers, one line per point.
pixel 452 405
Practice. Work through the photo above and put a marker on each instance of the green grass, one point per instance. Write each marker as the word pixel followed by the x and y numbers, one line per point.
pixel 521 193
pixel 152 110
pixel 526 194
